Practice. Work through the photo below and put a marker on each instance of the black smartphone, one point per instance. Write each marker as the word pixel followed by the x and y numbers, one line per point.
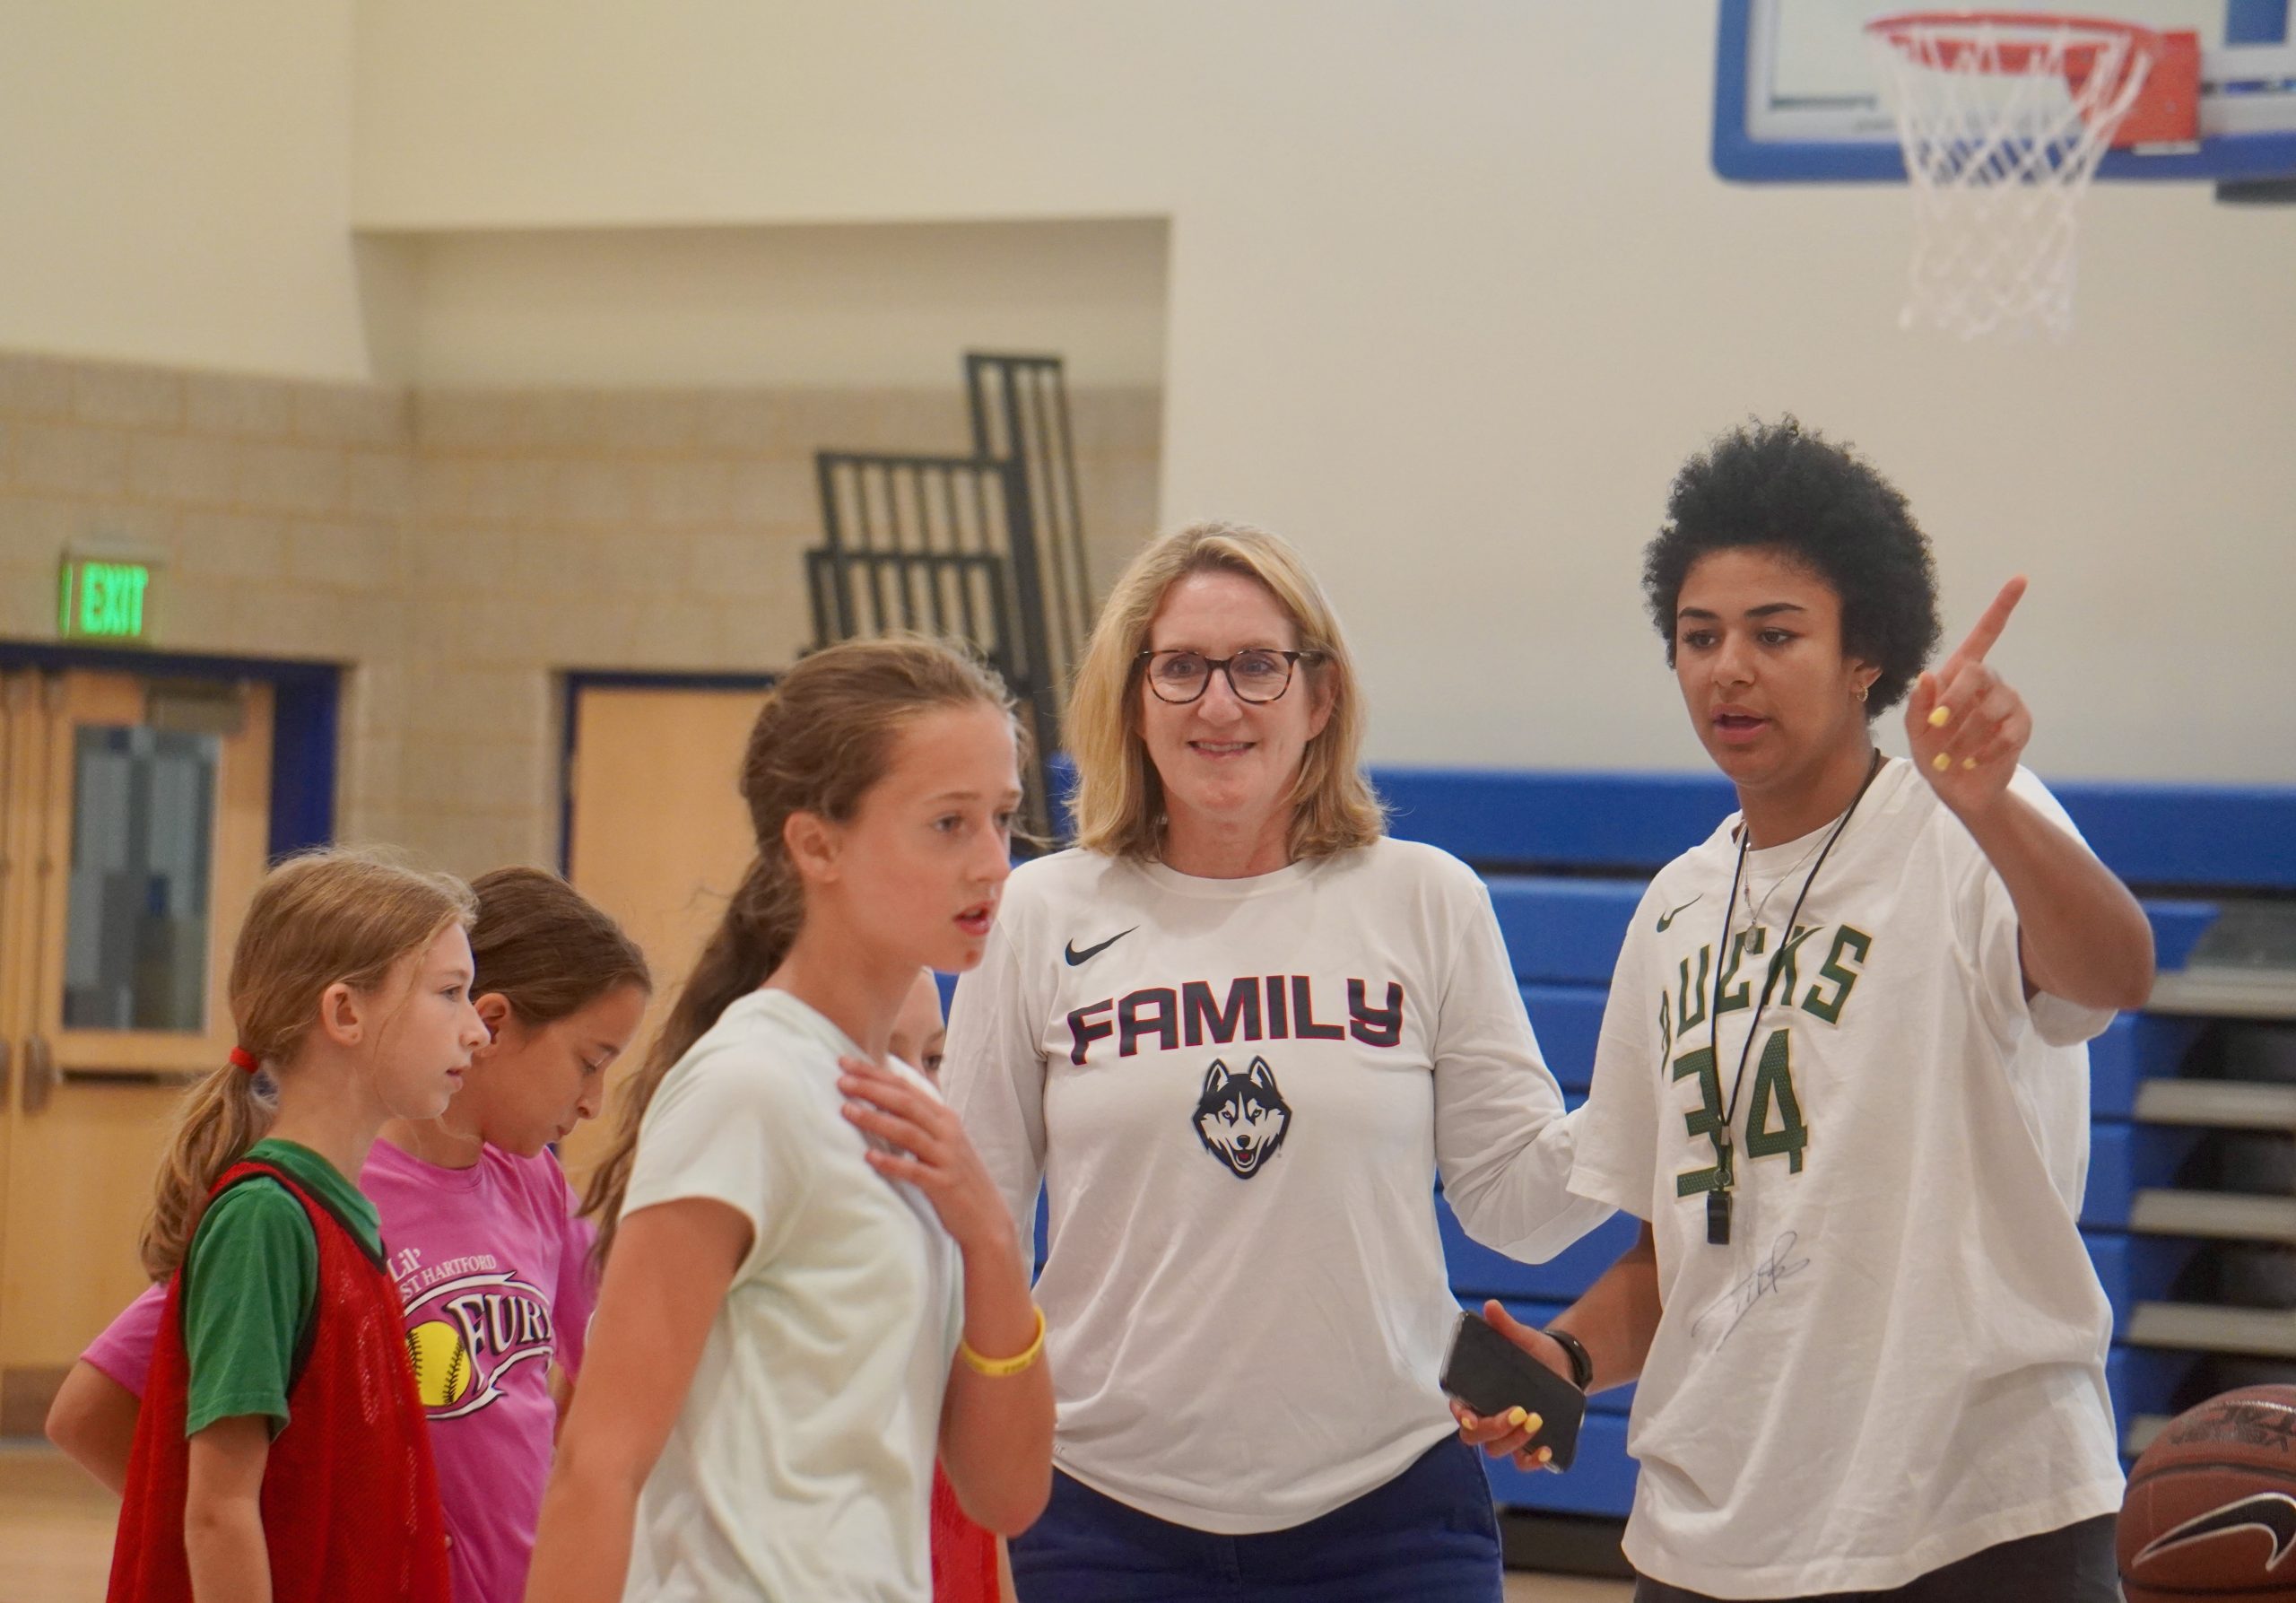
pixel 1491 1374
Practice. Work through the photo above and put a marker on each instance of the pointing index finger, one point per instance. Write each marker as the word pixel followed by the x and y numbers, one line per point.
pixel 1988 628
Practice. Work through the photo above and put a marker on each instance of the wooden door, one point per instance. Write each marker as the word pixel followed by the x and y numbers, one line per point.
pixel 132 831
pixel 659 837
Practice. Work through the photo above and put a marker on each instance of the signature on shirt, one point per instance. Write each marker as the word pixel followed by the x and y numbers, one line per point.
pixel 1732 1306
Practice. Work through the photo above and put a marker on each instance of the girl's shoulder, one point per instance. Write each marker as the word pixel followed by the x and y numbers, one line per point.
pixel 768 1052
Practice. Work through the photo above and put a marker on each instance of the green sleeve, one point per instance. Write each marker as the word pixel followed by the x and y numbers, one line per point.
pixel 252 1280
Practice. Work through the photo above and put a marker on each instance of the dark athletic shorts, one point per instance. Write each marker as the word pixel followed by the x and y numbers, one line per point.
pixel 2071 1565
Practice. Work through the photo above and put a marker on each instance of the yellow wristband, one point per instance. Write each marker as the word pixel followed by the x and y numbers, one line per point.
pixel 996 1368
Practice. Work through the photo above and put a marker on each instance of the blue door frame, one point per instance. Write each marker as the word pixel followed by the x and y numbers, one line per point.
pixel 304 724
pixel 575 682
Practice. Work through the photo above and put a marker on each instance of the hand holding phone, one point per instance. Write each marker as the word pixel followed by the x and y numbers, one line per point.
pixel 1491 1375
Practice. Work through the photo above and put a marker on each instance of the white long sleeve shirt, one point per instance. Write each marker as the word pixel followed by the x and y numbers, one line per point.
pixel 1239 1094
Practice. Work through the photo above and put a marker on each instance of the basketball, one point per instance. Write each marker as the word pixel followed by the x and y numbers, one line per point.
pixel 441 1363
pixel 2210 1507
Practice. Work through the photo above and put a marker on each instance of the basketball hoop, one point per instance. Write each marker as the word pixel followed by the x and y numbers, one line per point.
pixel 2003 117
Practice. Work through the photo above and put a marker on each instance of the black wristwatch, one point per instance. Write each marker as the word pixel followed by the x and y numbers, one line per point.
pixel 1582 1362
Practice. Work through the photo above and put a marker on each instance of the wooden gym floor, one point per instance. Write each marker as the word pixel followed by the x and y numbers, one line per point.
pixel 56 1527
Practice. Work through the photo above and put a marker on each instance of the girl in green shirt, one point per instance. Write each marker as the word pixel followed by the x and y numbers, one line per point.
pixel 350 986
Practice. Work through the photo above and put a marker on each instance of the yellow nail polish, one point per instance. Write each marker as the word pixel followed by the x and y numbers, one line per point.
pixel 1941 762
pixel 1545 1453
pixel 1969 762
pixel 1533 1423
pixel 1516 1416
pixel 1940 715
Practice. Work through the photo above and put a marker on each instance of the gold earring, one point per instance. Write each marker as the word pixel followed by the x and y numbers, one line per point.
pixel 1861 693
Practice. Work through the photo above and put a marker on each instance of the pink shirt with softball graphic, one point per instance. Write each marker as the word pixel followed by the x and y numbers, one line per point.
pixel 494 1270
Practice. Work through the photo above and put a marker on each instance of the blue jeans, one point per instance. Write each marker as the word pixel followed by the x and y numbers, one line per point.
pixel 1428 1536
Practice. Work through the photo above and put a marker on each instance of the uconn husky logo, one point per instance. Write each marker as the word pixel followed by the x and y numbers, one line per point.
pixel 1242 1118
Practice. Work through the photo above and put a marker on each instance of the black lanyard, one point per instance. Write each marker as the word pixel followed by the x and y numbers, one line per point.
pixel 1717 1201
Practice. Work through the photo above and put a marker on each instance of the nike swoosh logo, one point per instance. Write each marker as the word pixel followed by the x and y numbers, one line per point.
pixel 1670 917
pixel 2271 1514
pixel 1090 953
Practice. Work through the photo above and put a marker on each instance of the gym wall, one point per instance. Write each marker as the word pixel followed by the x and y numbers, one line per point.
pixel 1450 292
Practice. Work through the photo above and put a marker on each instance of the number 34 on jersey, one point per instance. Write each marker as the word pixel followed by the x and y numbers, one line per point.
pixel 1776 1126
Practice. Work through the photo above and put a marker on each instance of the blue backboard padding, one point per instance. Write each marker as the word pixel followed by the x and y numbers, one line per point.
pixel 2240 835
pixel 1563 929
pixel 2256 21
pixel 1566 1020
pixel 2127 1158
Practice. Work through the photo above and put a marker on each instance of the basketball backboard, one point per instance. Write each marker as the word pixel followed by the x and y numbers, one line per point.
pixel 1797 95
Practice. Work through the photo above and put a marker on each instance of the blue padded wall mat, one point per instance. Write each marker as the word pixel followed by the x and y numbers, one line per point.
pixel 2234 835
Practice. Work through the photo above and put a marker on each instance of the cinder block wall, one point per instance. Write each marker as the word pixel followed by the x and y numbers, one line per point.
pixel 459 549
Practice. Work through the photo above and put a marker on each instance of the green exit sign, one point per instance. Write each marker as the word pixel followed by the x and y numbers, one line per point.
pixel 106 597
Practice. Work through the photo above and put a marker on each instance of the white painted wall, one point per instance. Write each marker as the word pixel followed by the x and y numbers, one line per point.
pixel 837 305
pixel 174 184
pixel 1450 291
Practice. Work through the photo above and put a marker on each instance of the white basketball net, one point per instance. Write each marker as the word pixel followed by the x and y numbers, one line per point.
pixel 2003 121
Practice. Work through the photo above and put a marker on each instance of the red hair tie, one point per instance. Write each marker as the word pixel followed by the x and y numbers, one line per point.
pixel 243 1058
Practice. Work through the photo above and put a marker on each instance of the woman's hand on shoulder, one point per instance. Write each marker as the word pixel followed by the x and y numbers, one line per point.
pixel 930 1151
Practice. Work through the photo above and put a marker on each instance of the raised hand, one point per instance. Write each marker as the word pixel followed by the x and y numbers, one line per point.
pixel 932 1153
pixel 1965 724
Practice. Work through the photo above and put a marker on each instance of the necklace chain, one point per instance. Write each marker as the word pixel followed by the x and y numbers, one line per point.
pixel 1755 909
pixel 1821 838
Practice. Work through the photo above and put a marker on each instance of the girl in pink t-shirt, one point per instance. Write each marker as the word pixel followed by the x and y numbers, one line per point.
pixel 480 1226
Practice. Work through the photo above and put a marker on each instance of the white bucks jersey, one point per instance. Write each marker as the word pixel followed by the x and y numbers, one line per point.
pixel 1238 1094
pixel 1898 1357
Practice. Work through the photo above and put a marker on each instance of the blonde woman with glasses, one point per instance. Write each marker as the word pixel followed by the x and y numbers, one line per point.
pixel 1239 1032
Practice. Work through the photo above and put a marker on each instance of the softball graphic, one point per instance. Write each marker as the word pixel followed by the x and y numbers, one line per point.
pixel 441 1363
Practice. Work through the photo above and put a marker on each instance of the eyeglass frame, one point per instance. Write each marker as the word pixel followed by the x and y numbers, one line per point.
pixel 1211 664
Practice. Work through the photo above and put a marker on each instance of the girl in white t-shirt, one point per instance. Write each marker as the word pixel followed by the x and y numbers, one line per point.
pixel 1842 1076
pixel 811 1286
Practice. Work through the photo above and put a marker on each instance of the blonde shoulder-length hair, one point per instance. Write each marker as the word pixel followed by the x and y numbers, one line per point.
pixel 1120 800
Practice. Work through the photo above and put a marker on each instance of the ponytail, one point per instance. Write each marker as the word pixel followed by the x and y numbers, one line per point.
pixel 759 925
pixel 225 1113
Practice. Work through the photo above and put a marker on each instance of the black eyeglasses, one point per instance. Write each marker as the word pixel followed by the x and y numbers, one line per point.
pixel 1259 676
